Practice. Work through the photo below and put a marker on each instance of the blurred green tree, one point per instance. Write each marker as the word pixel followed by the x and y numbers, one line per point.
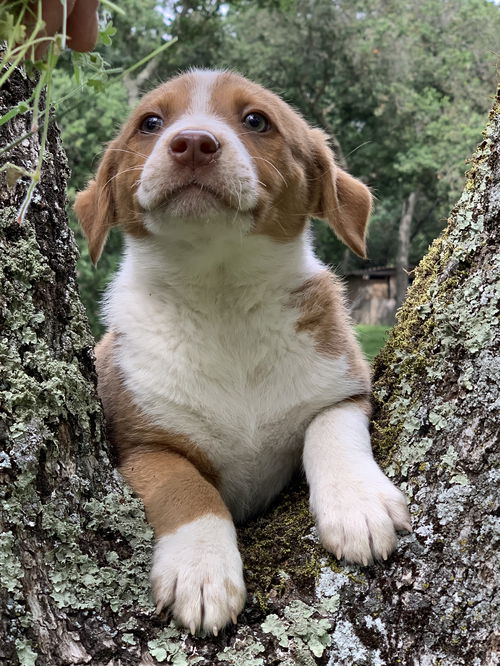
pixel 401 87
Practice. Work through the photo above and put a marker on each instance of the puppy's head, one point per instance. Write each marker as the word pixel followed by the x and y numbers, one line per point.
pixel 213 145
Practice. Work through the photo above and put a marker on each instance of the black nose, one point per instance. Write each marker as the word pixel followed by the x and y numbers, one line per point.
pixel 194 148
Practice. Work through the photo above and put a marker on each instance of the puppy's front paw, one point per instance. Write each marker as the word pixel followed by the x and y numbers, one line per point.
pixel 357 520
pixel 198 573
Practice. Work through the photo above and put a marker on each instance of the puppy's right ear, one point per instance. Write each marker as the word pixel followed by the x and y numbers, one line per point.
pixel 95 207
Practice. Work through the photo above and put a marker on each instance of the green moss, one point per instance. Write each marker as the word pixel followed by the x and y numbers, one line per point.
pixel 269 547
pixel 406 361
pixel 406 354
pixel 79 579
pixel 451 312
pixel 384 437
pixel 41 383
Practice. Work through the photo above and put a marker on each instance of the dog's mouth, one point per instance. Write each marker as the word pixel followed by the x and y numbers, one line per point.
pixel 197 189
pixel 193 198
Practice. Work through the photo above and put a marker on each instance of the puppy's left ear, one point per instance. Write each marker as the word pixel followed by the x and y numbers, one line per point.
pixel 343 201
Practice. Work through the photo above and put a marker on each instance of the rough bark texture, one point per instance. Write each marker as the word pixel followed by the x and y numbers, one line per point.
pixel 74 549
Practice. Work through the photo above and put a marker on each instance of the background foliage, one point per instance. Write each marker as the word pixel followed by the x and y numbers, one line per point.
pixel 402 87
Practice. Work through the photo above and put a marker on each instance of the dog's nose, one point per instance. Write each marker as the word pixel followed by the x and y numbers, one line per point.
pixel 194 148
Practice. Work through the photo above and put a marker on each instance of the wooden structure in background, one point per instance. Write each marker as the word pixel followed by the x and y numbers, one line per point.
pixel 372 295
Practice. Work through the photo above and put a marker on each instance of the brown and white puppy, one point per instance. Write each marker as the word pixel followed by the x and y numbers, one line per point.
pixel 229 357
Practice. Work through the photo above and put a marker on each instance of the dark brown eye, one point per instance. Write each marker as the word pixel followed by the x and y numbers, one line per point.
pixel 151 124
pixel 257 122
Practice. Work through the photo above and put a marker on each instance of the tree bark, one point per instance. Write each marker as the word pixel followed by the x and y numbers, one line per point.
pixel 403 254
pixel 75 549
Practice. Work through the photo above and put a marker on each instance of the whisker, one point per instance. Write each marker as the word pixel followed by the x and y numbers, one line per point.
pixel 132 152
pixel 281 227
pixel 239 203
pixel 120 173
pixel 273 166
pixel 101 192
pixel 358 147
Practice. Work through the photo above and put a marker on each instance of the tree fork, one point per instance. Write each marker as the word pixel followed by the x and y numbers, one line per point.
pixel 75 549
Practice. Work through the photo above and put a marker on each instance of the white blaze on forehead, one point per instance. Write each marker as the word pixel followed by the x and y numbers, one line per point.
pixel 201 92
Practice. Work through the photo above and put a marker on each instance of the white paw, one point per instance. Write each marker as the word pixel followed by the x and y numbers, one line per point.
pixel 357 519
pixel 197 572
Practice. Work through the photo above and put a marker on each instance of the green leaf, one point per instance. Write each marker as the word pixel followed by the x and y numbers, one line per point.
pixel 106 34
pixel 10 31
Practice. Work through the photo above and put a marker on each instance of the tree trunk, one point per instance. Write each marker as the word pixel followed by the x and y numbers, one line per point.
pixel 133 84
pixel 402 259
pixel 75 550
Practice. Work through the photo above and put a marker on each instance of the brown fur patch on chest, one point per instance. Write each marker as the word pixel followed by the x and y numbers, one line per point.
pixel 321 303
pixel 323 315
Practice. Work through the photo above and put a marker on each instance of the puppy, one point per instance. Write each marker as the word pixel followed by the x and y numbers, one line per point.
pixel 229 359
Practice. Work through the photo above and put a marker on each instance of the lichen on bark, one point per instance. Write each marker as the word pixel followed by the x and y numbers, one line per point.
pixel 74 544
pixel 437 387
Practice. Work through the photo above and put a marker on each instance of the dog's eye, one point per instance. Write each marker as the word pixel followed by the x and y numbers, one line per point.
pixel 256 122
pixel 151 124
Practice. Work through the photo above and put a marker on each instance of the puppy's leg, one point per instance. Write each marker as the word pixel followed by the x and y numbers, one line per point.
pixel 357 508
pixel 197 569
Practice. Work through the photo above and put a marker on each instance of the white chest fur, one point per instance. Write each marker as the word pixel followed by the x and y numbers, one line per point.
pixel 215 355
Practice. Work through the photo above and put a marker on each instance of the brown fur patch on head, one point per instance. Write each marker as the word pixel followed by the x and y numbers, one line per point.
pixel 282 155
pixel 296 168
pixel 110 200
pixel 95 207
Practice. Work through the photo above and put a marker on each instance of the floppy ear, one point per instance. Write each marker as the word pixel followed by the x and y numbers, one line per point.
pixel 343 201
pixel 95 206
